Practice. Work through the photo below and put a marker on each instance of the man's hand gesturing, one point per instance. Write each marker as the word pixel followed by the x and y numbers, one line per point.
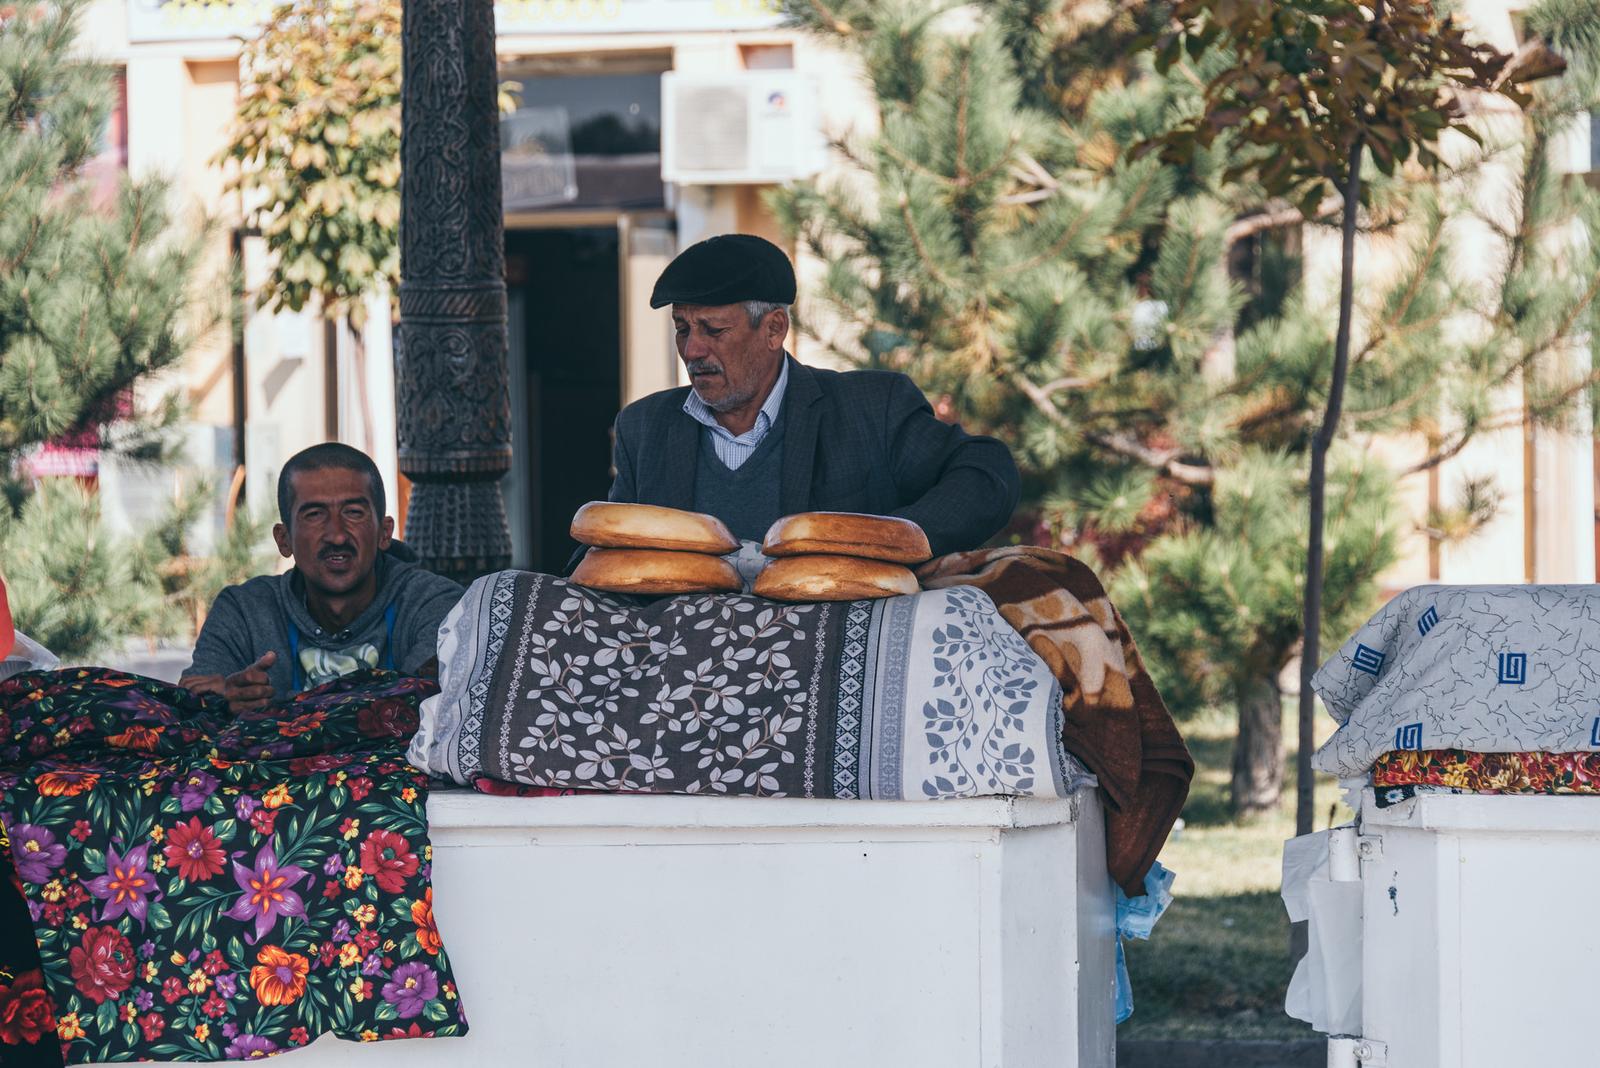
pixel 245 690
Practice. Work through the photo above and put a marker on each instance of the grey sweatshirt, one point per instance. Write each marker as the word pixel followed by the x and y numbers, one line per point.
pixel 399 629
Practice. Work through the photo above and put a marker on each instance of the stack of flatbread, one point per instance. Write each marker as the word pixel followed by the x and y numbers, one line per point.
pixel 650 551
pixel 841 556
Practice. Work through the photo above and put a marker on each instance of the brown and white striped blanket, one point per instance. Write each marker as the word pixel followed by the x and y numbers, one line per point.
pixel 1115 720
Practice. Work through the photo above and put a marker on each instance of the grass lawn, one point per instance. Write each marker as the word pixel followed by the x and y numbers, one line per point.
pixel 1217 965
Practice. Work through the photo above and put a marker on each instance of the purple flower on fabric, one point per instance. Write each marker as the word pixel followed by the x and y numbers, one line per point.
pixel 410 989
pixel 372 965
pixel 230 1030
pixel 334 866
pixel 227 985
pixel 143 1000
pixel 35 910
pixel 249 1048
pixel 341 931
pixel 127 884
pixel 35 852
pixel 148 950
pixel 268 892
pixel 245 806
pixel 195 791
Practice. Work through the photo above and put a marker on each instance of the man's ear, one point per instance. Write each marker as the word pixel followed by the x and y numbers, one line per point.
pixel 280 534
pixel 385 533
pixel 777 326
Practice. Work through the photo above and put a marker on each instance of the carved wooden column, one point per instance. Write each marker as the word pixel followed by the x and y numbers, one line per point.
pixel 452 395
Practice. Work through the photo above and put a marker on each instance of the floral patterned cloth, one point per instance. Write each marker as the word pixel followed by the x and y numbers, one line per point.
pixel 180 884
pixel 1396 775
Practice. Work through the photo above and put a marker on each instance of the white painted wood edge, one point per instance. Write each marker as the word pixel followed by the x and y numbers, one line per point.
pixel 1498 813
pixel 468 809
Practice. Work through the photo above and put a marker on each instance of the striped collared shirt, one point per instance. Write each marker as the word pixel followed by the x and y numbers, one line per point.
pixel 733 450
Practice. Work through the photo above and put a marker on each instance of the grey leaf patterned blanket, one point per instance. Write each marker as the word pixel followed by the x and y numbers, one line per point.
pixel 1487 669
pixel 549 684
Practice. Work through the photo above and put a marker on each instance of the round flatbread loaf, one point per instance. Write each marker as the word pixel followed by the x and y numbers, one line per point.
pixel 648 526
pixel 833 578
pixel 870 537
pixel 655 572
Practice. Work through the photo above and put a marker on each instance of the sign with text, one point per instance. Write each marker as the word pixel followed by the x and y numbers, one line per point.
pixel 215 20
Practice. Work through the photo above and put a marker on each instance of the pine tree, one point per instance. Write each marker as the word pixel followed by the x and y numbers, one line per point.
pixel 999 241
pixel 95 299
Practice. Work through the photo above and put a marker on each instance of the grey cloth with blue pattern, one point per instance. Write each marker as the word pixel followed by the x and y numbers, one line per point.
pixel 1487 669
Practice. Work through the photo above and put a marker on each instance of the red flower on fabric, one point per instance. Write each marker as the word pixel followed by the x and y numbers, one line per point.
pixel 173 990
pixel 195 851
pixel 25 1013
pixel 152 1025
pixel 214 1006
pixel 318 762
pixel 102 967
pixel 263 820
pixel 299 1037
pixel 387 858
pixel 387 719
pixel 360 787
pixel 214 965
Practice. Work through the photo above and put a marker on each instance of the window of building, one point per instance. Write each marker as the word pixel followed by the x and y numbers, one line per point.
pixel 584 136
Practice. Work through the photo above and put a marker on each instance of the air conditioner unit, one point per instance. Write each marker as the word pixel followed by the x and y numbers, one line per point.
pixel 741 128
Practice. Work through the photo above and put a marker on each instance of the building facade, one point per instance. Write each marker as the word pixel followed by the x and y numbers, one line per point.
pixel 611 96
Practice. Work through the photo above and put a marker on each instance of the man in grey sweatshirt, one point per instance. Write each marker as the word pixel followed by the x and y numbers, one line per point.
pixel 354 599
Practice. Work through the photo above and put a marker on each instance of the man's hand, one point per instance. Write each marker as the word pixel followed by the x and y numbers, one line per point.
pixel 245 690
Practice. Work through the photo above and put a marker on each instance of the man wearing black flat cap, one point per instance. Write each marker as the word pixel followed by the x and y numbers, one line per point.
pixel 757 435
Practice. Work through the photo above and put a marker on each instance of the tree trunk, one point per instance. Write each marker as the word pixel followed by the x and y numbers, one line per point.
pixel 1311 649
pixel 1258 752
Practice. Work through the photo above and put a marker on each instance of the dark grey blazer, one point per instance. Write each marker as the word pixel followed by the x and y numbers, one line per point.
pixel 856 441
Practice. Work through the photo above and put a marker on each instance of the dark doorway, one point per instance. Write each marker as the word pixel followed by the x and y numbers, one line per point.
pixel 566 291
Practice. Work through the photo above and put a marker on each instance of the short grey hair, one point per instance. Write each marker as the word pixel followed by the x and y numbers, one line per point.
pixel 757 310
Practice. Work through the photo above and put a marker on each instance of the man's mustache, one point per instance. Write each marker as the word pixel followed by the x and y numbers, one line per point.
pixel 696 367
pixel 335 550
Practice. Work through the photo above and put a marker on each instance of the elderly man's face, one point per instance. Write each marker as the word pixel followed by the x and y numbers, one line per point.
pixel 731 364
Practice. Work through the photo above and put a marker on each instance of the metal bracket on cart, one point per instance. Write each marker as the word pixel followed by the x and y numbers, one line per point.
pixel 1350 1052
pixel 1369 846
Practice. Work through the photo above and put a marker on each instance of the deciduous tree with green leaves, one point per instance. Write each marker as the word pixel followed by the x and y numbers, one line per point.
pixel 315 155
pixel 317 148
pixel 1141 331
pixel 1309 90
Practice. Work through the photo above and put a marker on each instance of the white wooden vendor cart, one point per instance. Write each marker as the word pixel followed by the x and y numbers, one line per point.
pixel 1478 933
pixel 684 931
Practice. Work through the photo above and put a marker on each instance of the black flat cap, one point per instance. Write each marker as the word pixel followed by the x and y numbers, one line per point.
pixel 726 269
